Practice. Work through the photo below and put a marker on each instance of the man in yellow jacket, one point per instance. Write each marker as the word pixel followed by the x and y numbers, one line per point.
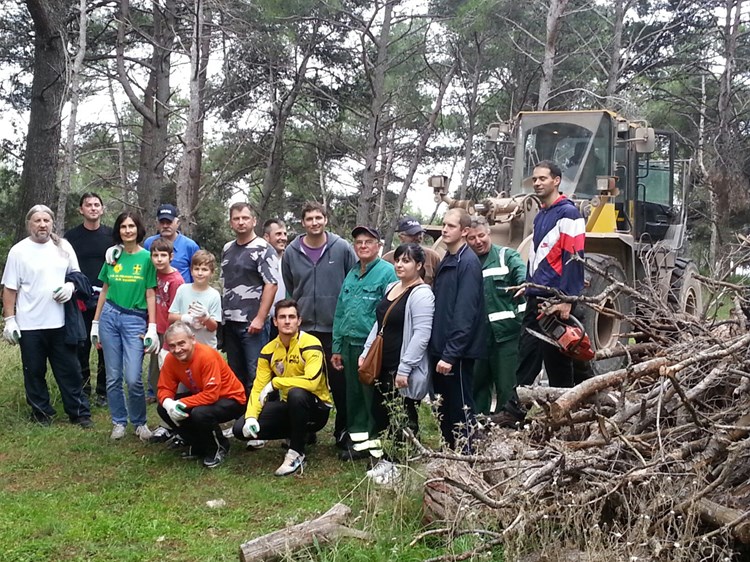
pixel 293 364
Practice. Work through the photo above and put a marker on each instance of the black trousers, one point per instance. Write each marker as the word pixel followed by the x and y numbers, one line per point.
pixel 456 409
pixel 201 430
pixel 562 371
pixel 388 409
pixel 84 354
pixel 39 346
pixel 302 413
pixel 337 384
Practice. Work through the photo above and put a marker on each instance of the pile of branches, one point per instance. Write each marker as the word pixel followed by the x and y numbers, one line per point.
pixel 647 462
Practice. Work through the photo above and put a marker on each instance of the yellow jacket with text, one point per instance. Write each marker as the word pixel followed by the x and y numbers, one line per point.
pixel 302 365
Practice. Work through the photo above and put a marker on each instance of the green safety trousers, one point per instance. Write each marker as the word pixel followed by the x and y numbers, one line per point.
pixel 496 373
pixel 358 396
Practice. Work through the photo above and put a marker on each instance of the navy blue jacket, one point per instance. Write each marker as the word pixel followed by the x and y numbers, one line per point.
pixel 75 332
pixel 458 327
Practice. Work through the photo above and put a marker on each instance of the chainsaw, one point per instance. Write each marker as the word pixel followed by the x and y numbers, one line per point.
pixel 570 339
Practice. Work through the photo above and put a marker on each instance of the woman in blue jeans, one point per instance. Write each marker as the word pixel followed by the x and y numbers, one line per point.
pixel 125 325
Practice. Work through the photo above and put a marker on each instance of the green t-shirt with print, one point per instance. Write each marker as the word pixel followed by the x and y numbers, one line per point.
pixel 129 278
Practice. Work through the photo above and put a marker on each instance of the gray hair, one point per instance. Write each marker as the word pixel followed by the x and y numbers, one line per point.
pixel 179 327
pixel 44 209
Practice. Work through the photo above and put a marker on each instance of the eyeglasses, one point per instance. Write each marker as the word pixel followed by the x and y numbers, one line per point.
pixel 368 242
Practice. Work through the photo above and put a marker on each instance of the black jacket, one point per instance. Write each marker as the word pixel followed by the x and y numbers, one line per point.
pixel 458 327
pixel 75 329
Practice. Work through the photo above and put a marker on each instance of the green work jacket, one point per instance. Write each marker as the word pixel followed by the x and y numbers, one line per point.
pixel 503 268
pixel 359 296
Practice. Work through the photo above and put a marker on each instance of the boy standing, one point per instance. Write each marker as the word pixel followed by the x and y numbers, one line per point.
pixel 198 304
pixel 168 279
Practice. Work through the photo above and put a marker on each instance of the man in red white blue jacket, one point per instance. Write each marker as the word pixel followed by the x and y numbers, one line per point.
pixel 559 234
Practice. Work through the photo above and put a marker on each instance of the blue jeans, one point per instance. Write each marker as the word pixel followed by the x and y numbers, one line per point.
pixel 38 346
pixel 119 334
pixel 243 349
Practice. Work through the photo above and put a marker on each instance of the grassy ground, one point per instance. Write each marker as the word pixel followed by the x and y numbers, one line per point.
pixel 69 494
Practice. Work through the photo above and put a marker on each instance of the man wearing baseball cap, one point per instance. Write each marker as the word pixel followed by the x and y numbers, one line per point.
pixel 169 223
pixel 363 288
pixel 410 231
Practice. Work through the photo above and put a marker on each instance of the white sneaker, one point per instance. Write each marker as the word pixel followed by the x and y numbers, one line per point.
pixel 118 431
pixel 381 467
pixel 388 477
pixel 293 462
pixel 255 444
pixel 143 432
pixel 228 433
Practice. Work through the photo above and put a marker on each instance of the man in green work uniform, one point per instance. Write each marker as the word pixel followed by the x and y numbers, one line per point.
pixel 501 268
pixel 363 288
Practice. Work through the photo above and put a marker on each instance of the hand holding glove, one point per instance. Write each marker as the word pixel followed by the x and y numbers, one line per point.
pixel 251 428
pixel 175 410
pixel 151 340
pixel 113 254
pixel 11 332
pixel 63 294
pixel 268 389
pixel 95 334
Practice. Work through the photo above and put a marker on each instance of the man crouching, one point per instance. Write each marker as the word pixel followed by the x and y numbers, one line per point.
pixel 215 395
pixel 292 363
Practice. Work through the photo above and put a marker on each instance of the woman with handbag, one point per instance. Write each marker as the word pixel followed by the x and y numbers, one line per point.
pixel 404 321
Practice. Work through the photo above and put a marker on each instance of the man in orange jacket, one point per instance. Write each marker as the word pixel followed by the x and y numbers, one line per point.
pixel 215 395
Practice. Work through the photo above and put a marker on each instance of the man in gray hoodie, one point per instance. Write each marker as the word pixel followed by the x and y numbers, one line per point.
pixel 313 268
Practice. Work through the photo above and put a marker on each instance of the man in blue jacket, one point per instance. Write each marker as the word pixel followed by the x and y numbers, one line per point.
pixel 458 338
pixel 559 234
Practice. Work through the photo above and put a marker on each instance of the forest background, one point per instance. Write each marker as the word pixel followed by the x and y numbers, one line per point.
pixel 349 102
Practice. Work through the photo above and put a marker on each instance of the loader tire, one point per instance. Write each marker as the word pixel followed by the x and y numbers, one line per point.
pixel 603 330
pixel 685 293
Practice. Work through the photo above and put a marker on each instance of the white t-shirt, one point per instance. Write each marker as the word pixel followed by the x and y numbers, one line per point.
pixel 280 291
pixel 35 271
pixel 210 298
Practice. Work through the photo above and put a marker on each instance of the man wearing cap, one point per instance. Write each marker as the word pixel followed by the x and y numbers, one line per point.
pixel 410 231
pixel 363 288
pixel 184 247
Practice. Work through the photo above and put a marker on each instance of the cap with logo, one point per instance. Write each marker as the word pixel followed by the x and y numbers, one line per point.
pixel 167 211
pixel 409 225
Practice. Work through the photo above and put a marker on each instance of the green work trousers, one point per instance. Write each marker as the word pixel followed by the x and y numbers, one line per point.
pixel 495 374
pixel 358 395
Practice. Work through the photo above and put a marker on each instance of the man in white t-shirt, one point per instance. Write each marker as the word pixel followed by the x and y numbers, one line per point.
pixel 34 294
pixel 274 232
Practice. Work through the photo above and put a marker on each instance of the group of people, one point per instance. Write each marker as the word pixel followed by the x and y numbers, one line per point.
pixel 296 323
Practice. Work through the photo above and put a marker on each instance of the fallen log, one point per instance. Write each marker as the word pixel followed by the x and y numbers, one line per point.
pixel 720 516
pixel 322 530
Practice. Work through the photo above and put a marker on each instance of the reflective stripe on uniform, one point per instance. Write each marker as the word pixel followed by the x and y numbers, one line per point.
pixel 502 315
pixel 522 307
pixel 492 271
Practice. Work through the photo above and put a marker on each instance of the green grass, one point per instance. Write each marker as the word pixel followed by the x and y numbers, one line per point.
pixel 67 494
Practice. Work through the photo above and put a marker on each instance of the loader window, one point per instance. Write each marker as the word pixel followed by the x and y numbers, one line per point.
pixel 654 203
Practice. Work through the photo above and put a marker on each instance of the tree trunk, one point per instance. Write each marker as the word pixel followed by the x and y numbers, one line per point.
pixel 126 198
pixel 377 89
pixel 75 94
pixel 188 179
pixel 39 174
pixel 154 107
pixel 554 22
pixel 472 107
pixel 616 54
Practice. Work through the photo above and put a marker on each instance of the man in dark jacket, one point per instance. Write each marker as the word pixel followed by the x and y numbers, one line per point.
pixel 458 339
pixel 313 269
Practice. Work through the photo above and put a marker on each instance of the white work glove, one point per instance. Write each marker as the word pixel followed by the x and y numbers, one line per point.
pixel 268 389
pixel 251 428
pixel 151 340
pixel 113 254
pixel 197 310
pixel 64 293
pixel 95 334
pixel 11 332
pixel 175 410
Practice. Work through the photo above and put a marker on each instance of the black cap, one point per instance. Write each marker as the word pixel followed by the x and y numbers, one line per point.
pixel 167 211
pixel 410 226
pixel 366 230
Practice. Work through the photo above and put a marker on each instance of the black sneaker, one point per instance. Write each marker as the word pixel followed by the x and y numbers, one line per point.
pixel 176 442
pixel 100 401
pixel 351 454
pixel 505 419
pixel 212 461
pixel 84 422
pixel 41 419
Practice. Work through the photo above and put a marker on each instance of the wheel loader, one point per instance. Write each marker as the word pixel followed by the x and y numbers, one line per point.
pixel 630 188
